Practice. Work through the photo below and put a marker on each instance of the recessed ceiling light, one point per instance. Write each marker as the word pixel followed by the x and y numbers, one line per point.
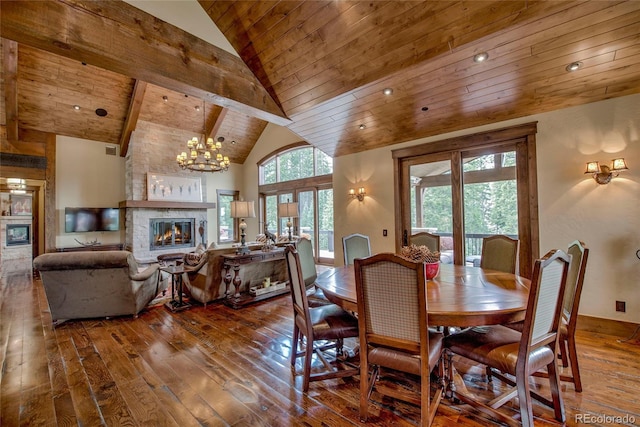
pixel 101 112
pixel 425 108
pixel 361 127
pixel 76 107
pixel 387 91
pixel 197 107
pixel 574 66
pixel 165 98
pixel 481 57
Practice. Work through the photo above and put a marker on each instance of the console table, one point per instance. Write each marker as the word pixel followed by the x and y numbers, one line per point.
pixel 246 270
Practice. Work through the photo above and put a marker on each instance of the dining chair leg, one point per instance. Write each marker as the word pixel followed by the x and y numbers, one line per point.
pixel 556 396
pixel 294 346
pixel 308 353
pixel 575 369
pixel 562 343
pixel 524 397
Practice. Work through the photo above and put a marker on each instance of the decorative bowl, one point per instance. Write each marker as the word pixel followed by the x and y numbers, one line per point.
pixel 431 269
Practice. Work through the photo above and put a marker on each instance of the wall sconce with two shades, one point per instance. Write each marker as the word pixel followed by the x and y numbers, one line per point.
pixel 603 173
pixel 359 194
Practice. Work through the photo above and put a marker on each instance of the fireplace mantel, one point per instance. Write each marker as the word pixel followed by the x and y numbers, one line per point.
pixel 155 204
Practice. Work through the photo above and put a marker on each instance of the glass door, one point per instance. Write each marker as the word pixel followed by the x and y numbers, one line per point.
pixel 469 187
pixel 325 226
pixel 431 204
pixel 490 198
pixel 316 221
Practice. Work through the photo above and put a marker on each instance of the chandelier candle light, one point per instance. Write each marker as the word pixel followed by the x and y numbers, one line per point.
pixel 203 155
pixel 242 210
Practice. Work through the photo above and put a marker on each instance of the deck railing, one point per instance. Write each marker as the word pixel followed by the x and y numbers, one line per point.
pixel 473 241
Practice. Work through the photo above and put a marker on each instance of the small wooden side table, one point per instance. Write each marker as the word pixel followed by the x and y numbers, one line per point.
pixel 176 272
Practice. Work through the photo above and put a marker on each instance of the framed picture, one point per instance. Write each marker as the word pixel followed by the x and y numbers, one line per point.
pixel 173 188
pixel 20 205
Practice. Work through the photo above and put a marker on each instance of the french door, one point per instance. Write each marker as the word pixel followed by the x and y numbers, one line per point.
pixel 467 188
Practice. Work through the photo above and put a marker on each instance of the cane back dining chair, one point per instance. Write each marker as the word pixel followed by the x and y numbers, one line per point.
pixel 500 253
pixel 394 333
pixel 521 354
pixel 355 246
pixel 431 241
pixel 566 342
pixel 315 295
pixel 323 328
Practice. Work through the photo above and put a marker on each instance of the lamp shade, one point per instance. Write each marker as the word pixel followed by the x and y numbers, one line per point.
pixel 242 209
pixel 618 165
pixel 592 167
pixel 289 209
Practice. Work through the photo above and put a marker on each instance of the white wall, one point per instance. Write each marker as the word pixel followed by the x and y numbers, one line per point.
pixel 87 177
pixel 571 205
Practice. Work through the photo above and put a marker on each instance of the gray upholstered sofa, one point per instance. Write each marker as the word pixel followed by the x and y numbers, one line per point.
pixel 92 284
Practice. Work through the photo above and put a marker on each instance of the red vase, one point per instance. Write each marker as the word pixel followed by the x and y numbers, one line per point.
pixel 431 270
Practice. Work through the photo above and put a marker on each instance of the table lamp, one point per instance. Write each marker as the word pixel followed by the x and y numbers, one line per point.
pixel 290 210
pixel 242 210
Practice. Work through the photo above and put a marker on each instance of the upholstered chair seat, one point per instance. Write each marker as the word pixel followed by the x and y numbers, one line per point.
pixel 405 361
pixel 330 322
pixel 497 347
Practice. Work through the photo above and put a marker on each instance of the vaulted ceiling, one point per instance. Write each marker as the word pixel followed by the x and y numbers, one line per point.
pixel 317 67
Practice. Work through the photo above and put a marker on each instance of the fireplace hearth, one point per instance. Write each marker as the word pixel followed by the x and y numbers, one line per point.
pixel 168 233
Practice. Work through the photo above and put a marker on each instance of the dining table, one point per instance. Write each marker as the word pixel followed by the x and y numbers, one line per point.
pixel 458 296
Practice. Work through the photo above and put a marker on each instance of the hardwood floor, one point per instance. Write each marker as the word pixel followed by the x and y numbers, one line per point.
pixel 216 366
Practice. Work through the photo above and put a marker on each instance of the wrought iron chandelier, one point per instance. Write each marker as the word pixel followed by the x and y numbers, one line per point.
pixel 203 155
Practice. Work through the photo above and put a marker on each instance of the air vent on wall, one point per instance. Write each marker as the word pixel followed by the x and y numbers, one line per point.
pixel 110 151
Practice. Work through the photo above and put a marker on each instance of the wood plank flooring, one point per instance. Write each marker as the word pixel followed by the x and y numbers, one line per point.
pixel 216 366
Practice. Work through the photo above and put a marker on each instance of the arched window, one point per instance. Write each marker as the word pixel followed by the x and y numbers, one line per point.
pixel 303 174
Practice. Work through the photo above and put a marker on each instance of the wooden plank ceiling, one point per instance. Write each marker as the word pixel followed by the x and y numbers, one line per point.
pixel 318 67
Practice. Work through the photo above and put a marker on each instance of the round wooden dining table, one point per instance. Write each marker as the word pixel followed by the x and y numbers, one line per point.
pixel 458 296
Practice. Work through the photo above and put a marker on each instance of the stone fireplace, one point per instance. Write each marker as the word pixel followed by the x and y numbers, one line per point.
pixel 177 223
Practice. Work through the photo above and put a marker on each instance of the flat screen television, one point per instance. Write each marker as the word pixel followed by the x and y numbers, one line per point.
pixel 78 220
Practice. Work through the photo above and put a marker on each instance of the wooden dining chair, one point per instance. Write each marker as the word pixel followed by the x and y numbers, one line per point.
pixel 323 328
pixel 394 332
pixel 355 246
pixel 315 295
pixel 500 253
pixel 521 354
pixel 431 241
pixel 566 343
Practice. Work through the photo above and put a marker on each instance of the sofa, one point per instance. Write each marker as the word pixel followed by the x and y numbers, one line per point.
pixel 93 284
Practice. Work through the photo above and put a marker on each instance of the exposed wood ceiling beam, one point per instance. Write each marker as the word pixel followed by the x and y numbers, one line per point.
pixel 10 66
pixel 131 121
pixel 123 39
pixel 216 125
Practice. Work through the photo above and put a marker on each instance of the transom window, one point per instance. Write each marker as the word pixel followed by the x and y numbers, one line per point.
pixel 296 163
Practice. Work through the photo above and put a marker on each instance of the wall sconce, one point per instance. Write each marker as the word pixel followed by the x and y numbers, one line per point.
pixel 360 194
pixel 603 174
